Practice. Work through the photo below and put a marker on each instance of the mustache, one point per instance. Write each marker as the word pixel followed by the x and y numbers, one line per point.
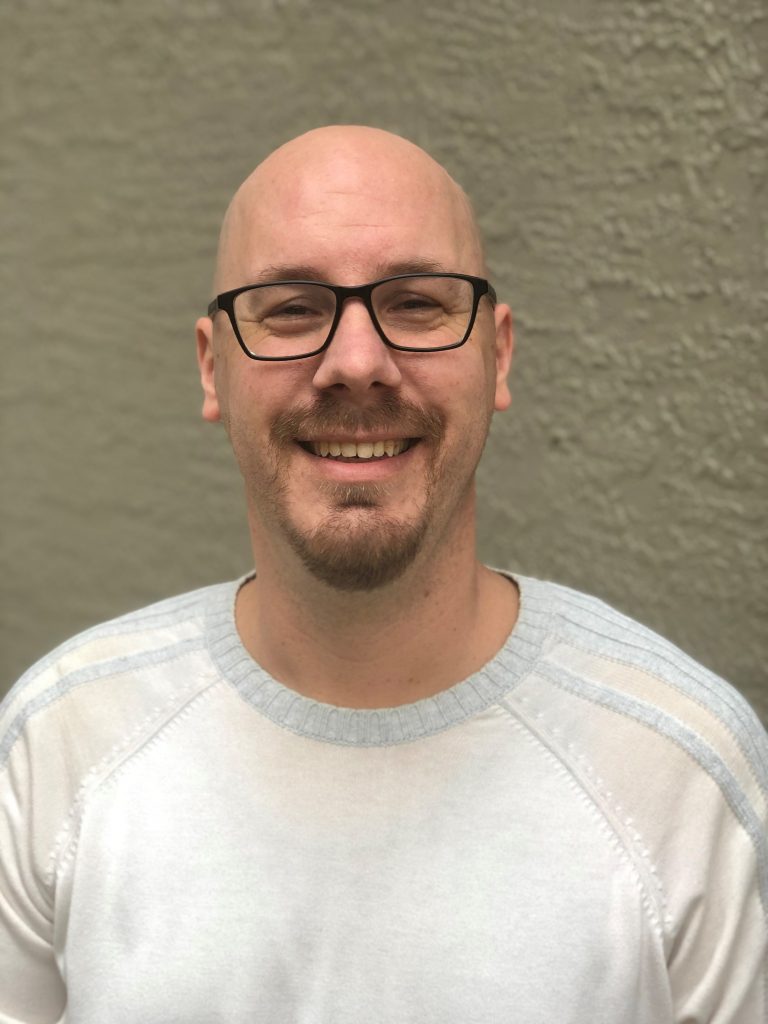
pixel 328 415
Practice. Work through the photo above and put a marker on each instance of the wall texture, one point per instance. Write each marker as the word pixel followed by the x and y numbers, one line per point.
pixel 617 155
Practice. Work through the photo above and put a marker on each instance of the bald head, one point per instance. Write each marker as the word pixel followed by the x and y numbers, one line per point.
pixel 335 197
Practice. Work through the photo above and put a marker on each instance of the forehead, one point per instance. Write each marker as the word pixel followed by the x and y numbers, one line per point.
pixel 350 217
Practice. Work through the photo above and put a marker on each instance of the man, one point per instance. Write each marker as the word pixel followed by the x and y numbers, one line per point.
pixel 374 781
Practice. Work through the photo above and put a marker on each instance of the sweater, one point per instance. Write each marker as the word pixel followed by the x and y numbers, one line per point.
pixel 576 833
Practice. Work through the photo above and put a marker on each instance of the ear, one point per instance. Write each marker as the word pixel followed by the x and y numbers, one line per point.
pixel 504 347
pixel 206 363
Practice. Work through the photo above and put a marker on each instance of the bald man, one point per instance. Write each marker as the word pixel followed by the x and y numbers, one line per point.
pixel 374 780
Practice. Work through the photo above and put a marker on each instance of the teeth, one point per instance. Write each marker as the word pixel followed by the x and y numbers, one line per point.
pixel 363 450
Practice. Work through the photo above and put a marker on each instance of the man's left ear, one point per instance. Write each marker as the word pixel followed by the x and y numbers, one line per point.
pixel 504 346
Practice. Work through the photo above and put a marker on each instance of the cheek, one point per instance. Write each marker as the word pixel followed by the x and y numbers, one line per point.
pixel 254 394
pixel 467 392
pixel 444 379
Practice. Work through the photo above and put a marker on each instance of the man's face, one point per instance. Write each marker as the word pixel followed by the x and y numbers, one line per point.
pixel 356 521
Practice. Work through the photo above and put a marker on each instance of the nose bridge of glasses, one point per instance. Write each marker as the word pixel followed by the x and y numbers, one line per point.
pixel 356 353
pixel 363 294
pixel 360 291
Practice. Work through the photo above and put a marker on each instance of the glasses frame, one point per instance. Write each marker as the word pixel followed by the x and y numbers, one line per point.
pixel 225 302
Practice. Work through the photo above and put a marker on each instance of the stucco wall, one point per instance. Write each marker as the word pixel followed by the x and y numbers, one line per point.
pixel 617 156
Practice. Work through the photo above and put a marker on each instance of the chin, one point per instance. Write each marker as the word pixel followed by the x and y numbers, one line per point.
pixel 351 552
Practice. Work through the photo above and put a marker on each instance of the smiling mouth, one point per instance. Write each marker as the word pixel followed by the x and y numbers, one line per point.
pixel 358 451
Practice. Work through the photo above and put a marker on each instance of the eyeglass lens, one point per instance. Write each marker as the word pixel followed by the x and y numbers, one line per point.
pixel 285 319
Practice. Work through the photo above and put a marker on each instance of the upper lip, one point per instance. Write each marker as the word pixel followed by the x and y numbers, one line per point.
pixel 347 439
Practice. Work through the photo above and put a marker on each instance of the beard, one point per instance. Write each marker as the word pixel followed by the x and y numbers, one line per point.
pixel 357 546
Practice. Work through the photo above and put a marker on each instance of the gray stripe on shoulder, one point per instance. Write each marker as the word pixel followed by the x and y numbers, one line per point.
pixel 101 670
pixel 607 632
pixel 165 614
pixel 685 738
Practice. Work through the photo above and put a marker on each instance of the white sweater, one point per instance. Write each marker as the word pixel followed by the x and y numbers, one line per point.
pixel 574 835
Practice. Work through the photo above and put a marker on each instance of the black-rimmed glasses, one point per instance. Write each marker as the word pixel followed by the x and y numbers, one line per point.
pixel 296 319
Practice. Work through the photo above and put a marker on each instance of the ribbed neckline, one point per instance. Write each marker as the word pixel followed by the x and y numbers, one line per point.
pixel 366 727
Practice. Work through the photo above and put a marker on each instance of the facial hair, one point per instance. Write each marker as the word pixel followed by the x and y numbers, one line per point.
pixel 357 546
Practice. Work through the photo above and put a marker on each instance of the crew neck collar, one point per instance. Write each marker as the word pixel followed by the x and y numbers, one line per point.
pixel 367 727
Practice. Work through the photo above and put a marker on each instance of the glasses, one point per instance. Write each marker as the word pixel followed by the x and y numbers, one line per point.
pixel 297 319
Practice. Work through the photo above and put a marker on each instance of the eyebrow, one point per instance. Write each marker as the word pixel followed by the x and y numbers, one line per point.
pixel 305 272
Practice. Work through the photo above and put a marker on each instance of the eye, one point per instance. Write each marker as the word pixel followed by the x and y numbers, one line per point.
pixel 287 308
pixel 411 302
pixel 416 310
pixel 296 316
pixel 414 302
pixel 291 311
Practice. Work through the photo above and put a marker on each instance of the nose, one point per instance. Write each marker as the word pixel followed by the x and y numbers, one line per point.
pixel 357 360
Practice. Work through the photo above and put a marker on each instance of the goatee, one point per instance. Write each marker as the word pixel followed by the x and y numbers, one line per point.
pixel 357 546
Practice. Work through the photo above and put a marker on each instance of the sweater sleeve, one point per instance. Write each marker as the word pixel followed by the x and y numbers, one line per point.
pixel 31 987
pixel 679 763
pixel 719 940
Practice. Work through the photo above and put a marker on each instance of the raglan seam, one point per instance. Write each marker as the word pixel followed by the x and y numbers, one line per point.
pixel 551 673
pixel 103 775
pixel 762 886
pixel 92 773
pixel 609 814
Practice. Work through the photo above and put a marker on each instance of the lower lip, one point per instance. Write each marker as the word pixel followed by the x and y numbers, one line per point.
pixel 361 469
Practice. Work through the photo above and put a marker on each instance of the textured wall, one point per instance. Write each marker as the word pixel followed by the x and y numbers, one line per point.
pixel 617 155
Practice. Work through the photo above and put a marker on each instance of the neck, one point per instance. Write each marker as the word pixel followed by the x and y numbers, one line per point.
pixel 440 622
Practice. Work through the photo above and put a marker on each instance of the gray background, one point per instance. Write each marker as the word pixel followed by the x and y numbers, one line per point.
pixel 617 156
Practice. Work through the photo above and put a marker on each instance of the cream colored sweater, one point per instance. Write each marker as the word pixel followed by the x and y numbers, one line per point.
pixel 576 834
